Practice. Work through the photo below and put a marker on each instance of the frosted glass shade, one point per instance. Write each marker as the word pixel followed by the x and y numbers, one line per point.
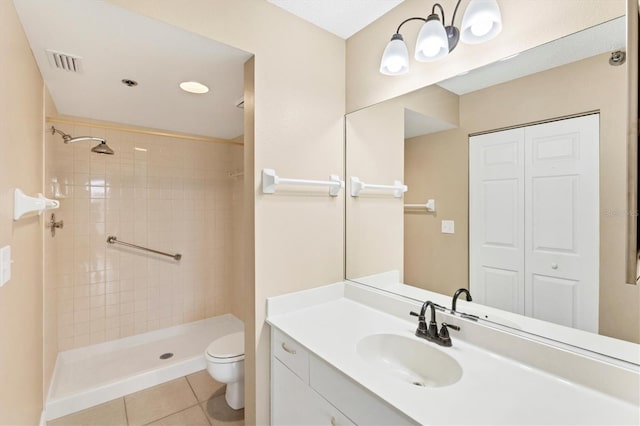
pixel 395 59
pixel 432 43
pixel 481 21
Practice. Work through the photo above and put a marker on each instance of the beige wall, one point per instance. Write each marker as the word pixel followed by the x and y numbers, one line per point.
pixel 247 294
pixel 376 144
pixel 21 109
pixel 436 166
pixel 439 163
pixel 299 108
pixel 50 305
pixel 376 156
pixel 237 290
pixel 526 24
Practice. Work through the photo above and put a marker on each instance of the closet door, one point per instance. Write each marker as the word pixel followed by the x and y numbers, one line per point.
pixel 562 222
pixel 496 219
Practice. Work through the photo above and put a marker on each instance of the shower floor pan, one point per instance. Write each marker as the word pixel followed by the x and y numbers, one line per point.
pixel 94 374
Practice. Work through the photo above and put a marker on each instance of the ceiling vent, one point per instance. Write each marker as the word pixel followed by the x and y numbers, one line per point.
pixel 65 62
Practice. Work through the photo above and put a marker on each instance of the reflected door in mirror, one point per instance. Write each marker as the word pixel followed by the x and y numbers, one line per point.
pixel 531 190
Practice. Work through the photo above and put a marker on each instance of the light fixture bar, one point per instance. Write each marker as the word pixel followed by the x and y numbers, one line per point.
pixel 481 22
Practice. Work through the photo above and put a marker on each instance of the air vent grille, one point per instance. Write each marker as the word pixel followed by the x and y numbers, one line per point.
pixel 63 61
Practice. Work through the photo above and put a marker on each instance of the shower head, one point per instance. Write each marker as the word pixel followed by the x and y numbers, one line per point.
pixel 101 148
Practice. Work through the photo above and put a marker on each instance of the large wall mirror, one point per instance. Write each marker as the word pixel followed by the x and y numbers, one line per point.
pixel 521 161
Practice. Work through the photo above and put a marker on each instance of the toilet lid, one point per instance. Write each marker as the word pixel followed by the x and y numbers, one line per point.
pixel 229 346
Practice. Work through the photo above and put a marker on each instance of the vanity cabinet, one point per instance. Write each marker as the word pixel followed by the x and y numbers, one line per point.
pixel 307 391
pixel 295 403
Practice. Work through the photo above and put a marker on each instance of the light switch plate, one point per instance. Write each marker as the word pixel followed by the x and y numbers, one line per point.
pixel 5 265
pixel 448 227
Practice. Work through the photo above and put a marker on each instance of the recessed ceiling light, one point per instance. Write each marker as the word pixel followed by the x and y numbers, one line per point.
pixel 194 87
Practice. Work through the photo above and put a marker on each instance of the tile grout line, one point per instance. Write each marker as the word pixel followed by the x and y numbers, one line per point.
pixel 191 387
pixel 199 402
pixel 169 415
pixel 204 412
pixel 126 415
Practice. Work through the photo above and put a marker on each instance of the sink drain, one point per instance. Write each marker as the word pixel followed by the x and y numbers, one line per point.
pixel 418 384
pixel 166 355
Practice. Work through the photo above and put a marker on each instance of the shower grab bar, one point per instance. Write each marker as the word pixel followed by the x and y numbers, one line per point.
pixel 357 186
pixel 111 239
pixel 270 181
pixel 430 205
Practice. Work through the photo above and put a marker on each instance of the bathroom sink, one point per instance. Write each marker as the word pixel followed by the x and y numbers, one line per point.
pixel 409 360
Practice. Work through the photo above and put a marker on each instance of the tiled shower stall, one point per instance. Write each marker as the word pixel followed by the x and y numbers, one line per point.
pixel 167 193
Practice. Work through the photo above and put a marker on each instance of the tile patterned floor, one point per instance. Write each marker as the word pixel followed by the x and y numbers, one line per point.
pixel 195 400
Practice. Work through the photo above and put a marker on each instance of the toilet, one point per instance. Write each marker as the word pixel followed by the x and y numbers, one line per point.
pixel 225 363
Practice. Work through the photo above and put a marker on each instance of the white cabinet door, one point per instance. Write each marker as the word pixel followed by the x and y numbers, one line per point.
pixel 293 403
pixel 534 221
pixel 562 222
pixel 496 219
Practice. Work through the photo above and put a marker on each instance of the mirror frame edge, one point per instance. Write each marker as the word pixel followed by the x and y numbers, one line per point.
pixel 632 142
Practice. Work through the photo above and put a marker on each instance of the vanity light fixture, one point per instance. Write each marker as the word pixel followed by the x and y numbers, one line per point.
pixel 194 87
pixel 481 22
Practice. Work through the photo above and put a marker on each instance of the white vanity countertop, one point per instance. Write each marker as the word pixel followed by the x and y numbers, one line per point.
pixel 492 390
pixel 578 339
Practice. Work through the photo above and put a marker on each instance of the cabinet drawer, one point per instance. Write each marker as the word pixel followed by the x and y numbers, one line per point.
pixel 359 405
pixel 294 403
pixel 291 354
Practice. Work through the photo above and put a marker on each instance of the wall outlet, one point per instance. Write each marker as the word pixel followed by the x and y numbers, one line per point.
pixel 448 227
pixel 5 265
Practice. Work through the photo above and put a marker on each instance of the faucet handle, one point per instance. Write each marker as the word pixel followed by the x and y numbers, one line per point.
pixel 446 326
pixel 422 325
pixel 443 335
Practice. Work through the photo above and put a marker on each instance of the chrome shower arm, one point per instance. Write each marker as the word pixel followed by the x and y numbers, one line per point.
pixel 84 138
pixel 64 135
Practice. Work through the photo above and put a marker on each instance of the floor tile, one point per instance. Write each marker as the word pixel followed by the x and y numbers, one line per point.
pixel 193 416
pixel 159 401
pixel 110 413
pixel 219 412
pixel 203 385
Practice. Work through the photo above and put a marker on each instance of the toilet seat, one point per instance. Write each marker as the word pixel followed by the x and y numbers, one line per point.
pixel 226 349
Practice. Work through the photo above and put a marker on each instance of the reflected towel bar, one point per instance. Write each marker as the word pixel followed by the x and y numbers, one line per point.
pixel 111 239
pixel 430 205
pixel 357 186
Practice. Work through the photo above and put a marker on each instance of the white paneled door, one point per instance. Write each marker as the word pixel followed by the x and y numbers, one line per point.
pixel 534 222
pixel 496 219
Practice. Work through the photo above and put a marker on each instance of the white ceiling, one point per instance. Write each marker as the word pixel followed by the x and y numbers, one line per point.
pixel 343 18
pixel 115 44
pixel 606 37
pixel 417 124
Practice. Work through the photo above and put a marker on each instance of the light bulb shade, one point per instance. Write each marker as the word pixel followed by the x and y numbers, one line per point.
pixel 433 42
pixel 481 21
pixel 395 59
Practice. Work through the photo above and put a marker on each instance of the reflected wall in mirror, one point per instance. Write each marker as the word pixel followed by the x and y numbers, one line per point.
pixel 422 138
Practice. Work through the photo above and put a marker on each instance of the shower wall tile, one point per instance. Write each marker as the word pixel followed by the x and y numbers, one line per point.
pixel 169 194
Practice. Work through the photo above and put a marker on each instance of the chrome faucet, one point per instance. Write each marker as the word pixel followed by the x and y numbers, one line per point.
pixel 458 293
pixel 431 333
